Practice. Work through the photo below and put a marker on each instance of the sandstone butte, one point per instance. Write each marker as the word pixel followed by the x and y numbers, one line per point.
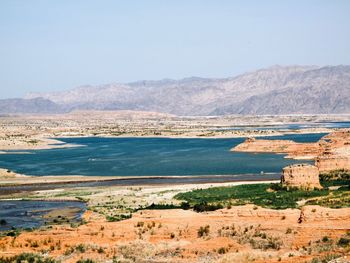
pixel 331 152
pixel 304 176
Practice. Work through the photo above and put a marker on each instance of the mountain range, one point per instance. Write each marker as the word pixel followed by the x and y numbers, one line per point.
pixel 273 90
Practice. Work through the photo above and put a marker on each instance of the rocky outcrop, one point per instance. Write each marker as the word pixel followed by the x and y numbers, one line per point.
pixel 331 152
pixel 303 176
pixel 335 152
pixel 293 149
pixel 333 162
pixel 5 173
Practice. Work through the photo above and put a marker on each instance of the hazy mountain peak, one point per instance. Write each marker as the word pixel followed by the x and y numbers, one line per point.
pixel 274 90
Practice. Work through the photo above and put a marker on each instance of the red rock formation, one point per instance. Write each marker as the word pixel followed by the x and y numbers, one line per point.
pixel 293 149
pixel 332 162
pixel 332 152
pixel 302 176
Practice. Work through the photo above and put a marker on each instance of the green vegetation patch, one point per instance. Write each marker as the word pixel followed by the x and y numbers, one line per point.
pixel 336 199
pixel 339 180
pixel 265 195
pixel 27 258
pixel 119 217
pixel 336 175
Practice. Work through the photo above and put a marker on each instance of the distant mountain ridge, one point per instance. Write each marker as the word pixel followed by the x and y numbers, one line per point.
pixel 35 105
pixel 274 90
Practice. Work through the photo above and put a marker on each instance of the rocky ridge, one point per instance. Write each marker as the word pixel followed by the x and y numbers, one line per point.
pixel 274 90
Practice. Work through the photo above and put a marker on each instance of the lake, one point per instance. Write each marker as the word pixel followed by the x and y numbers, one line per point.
pixel 31 214
pixel 149 156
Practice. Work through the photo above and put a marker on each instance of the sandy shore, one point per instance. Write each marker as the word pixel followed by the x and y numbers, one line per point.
pixel 34 143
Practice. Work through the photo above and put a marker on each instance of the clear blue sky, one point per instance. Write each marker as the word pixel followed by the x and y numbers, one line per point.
pixel 56 45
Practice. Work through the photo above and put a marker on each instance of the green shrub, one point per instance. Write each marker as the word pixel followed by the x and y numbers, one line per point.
pixel 265 195
pixel 117 218
pixel 202 207
pixel 325 239
pixel 27 258
pixel 85 261
pixel 162 206
pixel 80 248
pixel 222 250
pixel 325 259
pixel 343 242
pixel 12 233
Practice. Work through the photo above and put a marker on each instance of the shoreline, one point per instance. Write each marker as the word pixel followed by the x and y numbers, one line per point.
pixel 17 179
pixel 216 136
pixel 41 183
pixel 174 187
pixel 45 142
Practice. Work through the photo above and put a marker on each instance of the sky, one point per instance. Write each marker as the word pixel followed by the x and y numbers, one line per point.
pixel 57 45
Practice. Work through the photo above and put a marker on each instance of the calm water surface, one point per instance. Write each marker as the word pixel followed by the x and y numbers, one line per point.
pixel 149 156
pixel 29 214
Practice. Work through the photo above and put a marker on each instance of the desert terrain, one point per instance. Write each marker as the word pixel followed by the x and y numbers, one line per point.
pixel 243 233
pixel 208 222
pixel 174 131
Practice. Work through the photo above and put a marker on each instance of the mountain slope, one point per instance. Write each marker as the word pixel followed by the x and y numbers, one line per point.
pixel 36 105
pixel 325 90
pixel 274 90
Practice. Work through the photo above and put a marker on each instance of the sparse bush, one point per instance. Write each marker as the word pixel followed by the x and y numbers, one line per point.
pixel 343 242
pixel 264 244
pixel 80 248
pixel 222 250
pixel 34 244
pixel 325 259
pixel 27 258
pixel 325 239
pixel 137 251
pixel 69 251
pixel 140 224
pixel 13 233
pixel 85 261
pixel 203 231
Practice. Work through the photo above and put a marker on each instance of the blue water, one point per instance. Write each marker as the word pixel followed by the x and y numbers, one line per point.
pixel 29 214
pixel 309 137
pixel 149 156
